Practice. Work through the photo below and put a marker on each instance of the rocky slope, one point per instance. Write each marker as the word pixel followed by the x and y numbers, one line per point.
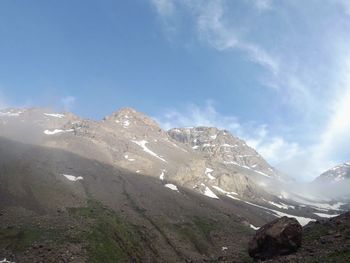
pixel 323 241
pixel 336 174
pixel 112 187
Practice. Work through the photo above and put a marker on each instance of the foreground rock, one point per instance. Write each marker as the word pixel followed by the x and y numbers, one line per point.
pixel 325 241
pixel 279 237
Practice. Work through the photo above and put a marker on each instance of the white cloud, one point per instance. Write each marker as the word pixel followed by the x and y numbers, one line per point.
pixel 164 7
pixel 309 74
pixel 194 115
pixel 274 148
pixel 335 138
pixel 213 29
pixel 344 4
pixel 68 103
pixel 263 5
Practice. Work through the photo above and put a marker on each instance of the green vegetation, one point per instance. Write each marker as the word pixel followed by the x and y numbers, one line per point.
pixel 19 238
pixel 108 238
pixel 315 232
pixel 197 232
pixel 340 256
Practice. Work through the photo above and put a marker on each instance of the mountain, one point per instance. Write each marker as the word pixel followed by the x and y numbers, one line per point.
pixel 123 189
pixel 336 174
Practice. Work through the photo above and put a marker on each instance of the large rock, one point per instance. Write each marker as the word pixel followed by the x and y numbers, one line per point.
pixel 279 237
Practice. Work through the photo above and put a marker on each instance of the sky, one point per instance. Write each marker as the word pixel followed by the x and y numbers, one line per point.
pixel 275 73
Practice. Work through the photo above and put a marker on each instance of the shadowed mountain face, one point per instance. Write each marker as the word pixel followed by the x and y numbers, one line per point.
pixel 123 188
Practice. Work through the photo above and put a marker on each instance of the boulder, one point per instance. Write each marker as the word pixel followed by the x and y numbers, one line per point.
pixel 282 236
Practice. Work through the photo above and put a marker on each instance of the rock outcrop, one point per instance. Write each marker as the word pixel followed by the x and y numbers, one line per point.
pixel 279 237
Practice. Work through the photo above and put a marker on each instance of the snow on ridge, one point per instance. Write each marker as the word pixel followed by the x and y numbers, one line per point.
pixel 302 220
pixel 72 177
pixel 126 123
pixel 208 173
pixel 55 131
pixel 210 193
pixel 161 176
pixel 281 205
pixel 254 227
pixel 6 261
pixel 129 159
pixel 325 215
pixel 55 115
pixel 223 191
pixel 228 145
pixel 213 136
pixel 142 144
pixel 10 114
pixel 233 197
pixel 172 187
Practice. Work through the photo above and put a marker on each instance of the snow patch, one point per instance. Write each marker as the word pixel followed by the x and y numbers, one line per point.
pixel 210 193
pixel 6 261
pixel 228 145
pixel 55 131
pixel 223 191
pixel 232 197
pixel 126 123
pixel 72 177
pixel 254 227
pixel 213 136
pixel 208 172
pixel 325 215
pixel 55 115
pixel 129 159
pixel 10 113
pixel 281 205
pixel 161 176
pixel 224 248
pixel 302 220
pixel 172 187
pixel 142 144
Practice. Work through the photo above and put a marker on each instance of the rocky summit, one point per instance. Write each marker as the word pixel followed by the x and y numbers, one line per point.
pixel 122 189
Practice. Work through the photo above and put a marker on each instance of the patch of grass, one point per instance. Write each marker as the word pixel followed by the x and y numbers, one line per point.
pixel 347 234
pixel 19 238
pixel 315 232
pixel 188 232
pixel 340 257
pixel 204 225
pixel 197 232
pixel 108 238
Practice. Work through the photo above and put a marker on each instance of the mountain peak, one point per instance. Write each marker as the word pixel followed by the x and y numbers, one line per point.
pixel 130 117
pixel 336 174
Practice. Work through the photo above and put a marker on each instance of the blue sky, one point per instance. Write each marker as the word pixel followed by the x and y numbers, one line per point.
pixel 276 73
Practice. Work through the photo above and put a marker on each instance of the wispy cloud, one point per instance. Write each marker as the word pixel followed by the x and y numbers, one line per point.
pixel 263 5
pixel 308 73
pixel 213 29
pixel 164 7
